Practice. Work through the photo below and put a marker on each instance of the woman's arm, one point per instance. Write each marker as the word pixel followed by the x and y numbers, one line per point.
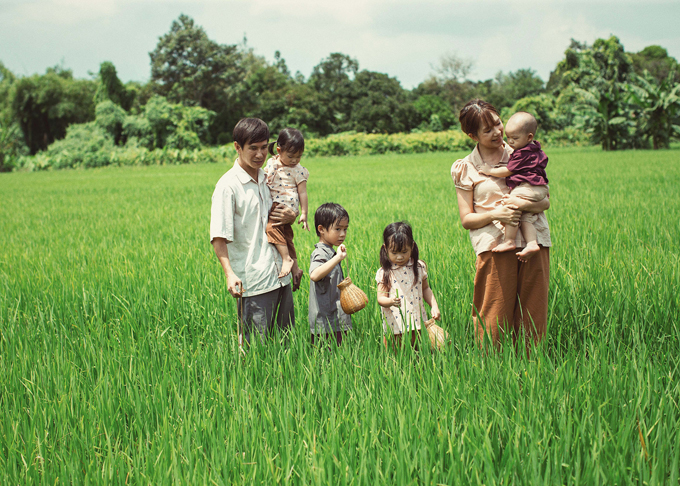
pixel 525 205
pixel 507 214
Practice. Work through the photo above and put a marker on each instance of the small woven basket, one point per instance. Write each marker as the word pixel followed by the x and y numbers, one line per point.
pixel 438 336
pixel 352 298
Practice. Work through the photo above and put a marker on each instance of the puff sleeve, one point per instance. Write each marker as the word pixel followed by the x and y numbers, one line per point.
pixel 460 172
pixel 301 175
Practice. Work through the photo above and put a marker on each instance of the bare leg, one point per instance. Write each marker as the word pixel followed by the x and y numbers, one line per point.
pixel 509 241
pixel 287 260
pixel 532 247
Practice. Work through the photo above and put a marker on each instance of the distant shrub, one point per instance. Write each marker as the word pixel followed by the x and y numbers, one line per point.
pixel 351 143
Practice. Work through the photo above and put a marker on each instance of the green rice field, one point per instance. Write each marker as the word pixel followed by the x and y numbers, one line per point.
pixel 119 361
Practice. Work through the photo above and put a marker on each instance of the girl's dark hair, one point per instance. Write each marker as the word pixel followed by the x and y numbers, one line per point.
pixel 327 215
pixel 476 114
pixel 290 140
pixel 250 130
pixel 396 237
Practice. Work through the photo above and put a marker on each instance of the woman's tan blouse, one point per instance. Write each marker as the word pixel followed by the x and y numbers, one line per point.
pixel 487 192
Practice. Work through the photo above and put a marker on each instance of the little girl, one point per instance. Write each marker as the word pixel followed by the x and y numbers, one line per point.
pixel 402 284
pixel 287 181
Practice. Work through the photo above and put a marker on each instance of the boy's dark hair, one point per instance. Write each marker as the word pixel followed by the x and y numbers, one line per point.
pixel 396 237
pixel 476 114
pixel 290 140
pixel 327 214
pixel 250 130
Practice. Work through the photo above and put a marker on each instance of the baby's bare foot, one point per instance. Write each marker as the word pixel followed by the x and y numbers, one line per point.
pixel 505 246
pixel 530 250
pixel 287 266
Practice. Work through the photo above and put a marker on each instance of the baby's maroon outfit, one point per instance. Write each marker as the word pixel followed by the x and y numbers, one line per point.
pixel 528 165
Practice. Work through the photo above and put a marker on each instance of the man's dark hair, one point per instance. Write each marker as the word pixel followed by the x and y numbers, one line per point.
pixel 327 215
pixel 250 130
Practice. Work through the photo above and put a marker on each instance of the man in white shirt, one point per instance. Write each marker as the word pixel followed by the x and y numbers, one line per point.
pixel 240 209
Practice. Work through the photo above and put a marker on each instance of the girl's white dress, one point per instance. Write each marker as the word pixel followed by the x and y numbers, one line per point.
pixel 412 313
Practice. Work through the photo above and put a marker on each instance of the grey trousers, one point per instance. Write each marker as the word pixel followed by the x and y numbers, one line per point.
pixel 257 313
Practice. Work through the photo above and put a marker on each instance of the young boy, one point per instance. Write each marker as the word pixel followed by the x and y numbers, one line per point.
pixel 240 207
pixel 325 272
pixel 525 176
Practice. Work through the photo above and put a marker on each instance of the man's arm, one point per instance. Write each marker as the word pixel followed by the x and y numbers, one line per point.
pixel 235 285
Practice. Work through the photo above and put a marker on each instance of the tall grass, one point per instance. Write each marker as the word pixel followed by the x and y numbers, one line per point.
pixel 118 359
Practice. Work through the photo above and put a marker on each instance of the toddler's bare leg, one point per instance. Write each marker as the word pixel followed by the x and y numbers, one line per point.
pixel 529 233
pixel 287 260
pixel 509 241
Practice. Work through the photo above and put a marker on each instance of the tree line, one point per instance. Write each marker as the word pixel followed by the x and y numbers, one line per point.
pixel 198 89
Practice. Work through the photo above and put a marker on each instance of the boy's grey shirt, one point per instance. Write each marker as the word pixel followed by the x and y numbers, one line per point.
pixel 325 312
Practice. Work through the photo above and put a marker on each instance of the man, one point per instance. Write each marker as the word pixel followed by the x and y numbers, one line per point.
pixel 240 209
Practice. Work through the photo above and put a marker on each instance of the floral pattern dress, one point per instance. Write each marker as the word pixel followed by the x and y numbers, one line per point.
pixel 411 314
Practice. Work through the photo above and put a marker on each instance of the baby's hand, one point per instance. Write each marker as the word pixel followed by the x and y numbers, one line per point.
pixel 396 302
pixel 342 252
pixel 303 222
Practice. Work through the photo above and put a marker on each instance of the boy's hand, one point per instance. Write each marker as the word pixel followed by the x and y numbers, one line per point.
pixel 303 222
pixel 342 252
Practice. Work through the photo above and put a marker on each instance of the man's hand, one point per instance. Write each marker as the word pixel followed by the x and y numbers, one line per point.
pixel 235 285
pixel 282 215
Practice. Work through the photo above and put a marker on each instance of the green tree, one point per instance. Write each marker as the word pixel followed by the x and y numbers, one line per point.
pixel 658 108
pixel 332 80
pixel 187 67
pixel 45 105
pixel 433 113
pixel 111 88
pixel 380 104
pixel 598 76
pixel 657 62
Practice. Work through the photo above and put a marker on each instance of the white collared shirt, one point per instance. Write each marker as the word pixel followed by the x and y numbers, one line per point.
pixel 240 208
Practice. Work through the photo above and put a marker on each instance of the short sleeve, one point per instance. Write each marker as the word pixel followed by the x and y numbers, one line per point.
pixel 301 175
pixel 460 172
pixel 222 214
pixel 379 275
pixel 422 269
pixel 269 170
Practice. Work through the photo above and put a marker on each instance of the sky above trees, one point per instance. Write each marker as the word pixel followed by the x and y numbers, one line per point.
pixel 400 38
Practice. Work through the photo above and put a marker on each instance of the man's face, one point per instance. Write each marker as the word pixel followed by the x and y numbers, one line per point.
pixel 252 156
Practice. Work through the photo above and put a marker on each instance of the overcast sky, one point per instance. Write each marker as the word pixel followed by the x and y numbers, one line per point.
pixel 398 37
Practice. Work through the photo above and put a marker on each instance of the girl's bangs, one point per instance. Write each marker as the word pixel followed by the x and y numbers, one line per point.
pixel 399 241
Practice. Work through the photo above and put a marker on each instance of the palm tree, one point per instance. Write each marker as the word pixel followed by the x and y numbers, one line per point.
pixel 659 106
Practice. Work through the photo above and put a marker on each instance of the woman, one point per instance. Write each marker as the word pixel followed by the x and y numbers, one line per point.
pixel 509 295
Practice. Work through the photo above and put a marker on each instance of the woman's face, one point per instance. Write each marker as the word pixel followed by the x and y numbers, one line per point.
pixel 490 137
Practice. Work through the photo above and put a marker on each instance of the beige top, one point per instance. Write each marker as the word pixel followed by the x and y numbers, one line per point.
pixel 412 309
pixel 240 207
pixel 487 192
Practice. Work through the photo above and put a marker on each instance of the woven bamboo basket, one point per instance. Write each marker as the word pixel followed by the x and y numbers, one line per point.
pixel 352 298
pixel 438 336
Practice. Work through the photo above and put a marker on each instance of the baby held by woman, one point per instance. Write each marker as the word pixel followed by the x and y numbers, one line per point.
pixel 525 176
